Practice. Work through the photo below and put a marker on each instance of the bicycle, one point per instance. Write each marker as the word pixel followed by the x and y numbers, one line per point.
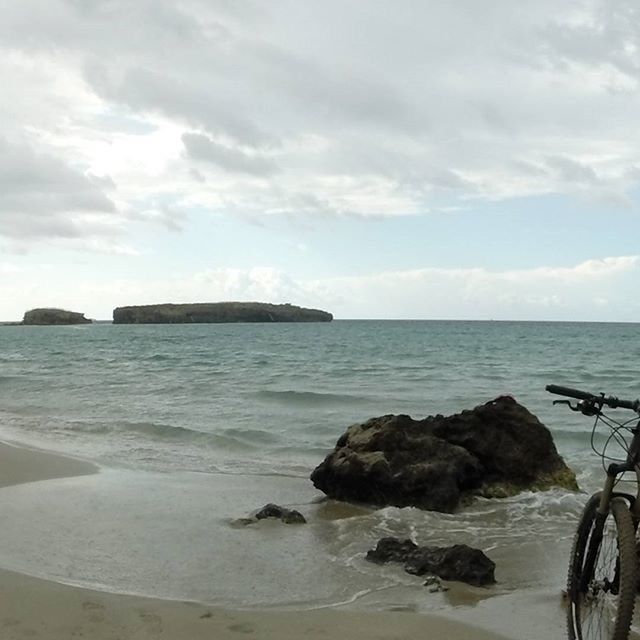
pixel 603 574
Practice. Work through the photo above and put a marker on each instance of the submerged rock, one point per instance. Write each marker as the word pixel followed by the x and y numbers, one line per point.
pixel 435 585
pixel 288 516
pixel 459 562
pixel 495 450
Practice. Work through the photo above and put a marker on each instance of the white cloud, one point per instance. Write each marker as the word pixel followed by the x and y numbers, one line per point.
pixel 324 108
pixel 122 121
pixel 598 289
pixel 42 196
pixel 203 148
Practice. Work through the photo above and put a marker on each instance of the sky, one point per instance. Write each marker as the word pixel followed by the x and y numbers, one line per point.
pixel 436 159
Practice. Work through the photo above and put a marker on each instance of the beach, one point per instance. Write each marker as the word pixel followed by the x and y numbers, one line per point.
pixel 134 454
pixel 37 608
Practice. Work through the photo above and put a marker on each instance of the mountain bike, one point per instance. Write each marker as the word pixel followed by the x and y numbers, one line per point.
pixel 603 573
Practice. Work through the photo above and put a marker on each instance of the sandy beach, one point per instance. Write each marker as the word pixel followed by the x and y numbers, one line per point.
pixel 31 608
pixel 35 608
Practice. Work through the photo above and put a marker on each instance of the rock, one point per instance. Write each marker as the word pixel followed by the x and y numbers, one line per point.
pixel 435 585
pixel 288 516
pixel 216 312
pixel 495 450
pixel 53 316
pixel 459 562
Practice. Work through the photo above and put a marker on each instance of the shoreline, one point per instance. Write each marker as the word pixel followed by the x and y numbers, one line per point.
pixel 32 607
pixel 35 608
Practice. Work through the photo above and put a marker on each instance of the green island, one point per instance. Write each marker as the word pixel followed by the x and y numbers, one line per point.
pixel 48 316
pixel 216 312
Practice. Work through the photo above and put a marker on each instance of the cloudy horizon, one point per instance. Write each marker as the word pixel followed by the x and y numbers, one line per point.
pixel 457 160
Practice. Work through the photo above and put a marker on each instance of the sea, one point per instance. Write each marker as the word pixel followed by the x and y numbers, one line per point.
pixel 195 427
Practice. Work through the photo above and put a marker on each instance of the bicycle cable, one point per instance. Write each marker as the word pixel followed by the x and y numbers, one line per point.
pixel 617 435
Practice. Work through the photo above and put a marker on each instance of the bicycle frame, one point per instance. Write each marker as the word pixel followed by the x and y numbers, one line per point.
pixel 603 574
pixel 615 469
pixel 632 463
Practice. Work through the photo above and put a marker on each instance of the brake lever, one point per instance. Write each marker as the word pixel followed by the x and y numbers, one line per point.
pixel 575 407
pixel 584 407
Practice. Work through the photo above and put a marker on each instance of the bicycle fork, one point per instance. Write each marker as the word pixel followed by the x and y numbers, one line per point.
pixel 602 511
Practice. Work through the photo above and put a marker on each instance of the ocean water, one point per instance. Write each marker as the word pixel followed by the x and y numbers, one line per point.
pixel 197 425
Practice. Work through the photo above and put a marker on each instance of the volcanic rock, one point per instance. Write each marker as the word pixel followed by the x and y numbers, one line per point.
pixel 458 562
pixel 495 450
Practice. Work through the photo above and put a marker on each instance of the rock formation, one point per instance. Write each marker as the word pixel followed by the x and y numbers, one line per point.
pixel 496 449
pixel 288 516
pixel 459 562
pixel 217 312
pixel 53 316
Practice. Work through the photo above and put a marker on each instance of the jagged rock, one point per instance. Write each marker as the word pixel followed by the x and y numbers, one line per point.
pixel 53 316
pixel 217 312
pixel 459 562
pixel 496 449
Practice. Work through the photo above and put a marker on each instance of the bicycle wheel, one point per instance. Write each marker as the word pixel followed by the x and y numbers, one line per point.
pixel 602 574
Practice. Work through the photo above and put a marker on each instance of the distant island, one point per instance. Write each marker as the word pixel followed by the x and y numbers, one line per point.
pixel 216 312
pixel 53 316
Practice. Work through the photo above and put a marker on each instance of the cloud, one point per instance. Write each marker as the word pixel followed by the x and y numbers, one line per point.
pixel 596 289
pixel 375 111
pixel 148 90
pixel 42 196
pixel 572 171
pixel 201 147
pixel 542 293
pixel 604 36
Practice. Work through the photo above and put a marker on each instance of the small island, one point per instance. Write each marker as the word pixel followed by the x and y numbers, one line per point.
pixel 47 316
pixel 217 312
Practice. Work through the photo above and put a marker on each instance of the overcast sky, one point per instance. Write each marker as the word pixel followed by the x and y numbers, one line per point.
pixel 434 159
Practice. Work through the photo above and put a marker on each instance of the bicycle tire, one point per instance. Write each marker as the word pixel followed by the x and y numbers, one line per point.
pixel 600 605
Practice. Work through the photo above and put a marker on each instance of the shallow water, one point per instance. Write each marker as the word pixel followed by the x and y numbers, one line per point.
pixel 196 425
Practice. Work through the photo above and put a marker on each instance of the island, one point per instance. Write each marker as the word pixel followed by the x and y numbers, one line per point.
pixel 216 312
pixel 47 316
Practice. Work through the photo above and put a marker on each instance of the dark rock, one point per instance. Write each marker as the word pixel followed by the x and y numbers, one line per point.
pixel 53 316
pixel 497 449
pixel 459 562
pixel 288 516
pixel 217 312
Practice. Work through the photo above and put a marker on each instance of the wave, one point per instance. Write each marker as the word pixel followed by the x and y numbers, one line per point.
pixel 155 429
pixel 309 398
pixel 233 438
pixel 161 357
pixel 12 357
pixel 254 436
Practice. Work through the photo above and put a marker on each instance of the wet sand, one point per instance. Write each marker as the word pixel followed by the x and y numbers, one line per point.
pixel 19 465
pixel 32 608
pixel 41 609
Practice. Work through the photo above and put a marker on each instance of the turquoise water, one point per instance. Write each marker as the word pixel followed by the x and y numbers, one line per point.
pixel 261 398
pixel 176 413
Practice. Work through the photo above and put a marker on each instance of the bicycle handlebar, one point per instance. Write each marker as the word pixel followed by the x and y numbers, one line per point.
pixel 610 401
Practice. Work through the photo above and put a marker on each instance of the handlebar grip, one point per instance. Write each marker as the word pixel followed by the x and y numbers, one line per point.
pixel 570 393
pixel 610 401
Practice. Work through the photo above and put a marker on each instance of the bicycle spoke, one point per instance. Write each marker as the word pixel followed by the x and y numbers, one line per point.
pixel 602 575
